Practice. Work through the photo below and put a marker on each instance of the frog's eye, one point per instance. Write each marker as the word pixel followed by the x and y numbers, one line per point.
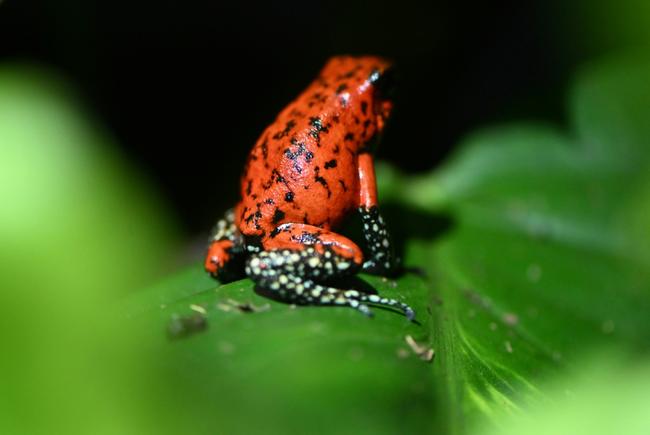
pixel 384 83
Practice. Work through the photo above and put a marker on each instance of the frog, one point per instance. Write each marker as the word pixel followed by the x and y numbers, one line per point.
pixel 310 170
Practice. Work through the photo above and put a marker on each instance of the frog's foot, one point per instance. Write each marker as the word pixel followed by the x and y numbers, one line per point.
pixel 225 257
pixel 381 255
pixel 290 275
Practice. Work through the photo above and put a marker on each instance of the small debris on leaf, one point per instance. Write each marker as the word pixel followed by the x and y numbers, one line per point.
pixel 510 319
pixel 243 307
pixel 184 326
pixel 425 353
pixel 198 309
pixel 428 355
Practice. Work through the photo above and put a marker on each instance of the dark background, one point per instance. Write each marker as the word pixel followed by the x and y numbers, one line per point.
pixel 186 87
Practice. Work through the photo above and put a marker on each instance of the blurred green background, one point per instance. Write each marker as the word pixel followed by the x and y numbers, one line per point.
pixel 517 179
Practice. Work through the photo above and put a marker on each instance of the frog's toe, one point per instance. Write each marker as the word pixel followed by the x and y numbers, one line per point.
pixel 409 313
pixel 362 308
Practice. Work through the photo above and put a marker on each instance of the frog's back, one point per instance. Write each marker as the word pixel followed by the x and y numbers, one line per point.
pixel 303 167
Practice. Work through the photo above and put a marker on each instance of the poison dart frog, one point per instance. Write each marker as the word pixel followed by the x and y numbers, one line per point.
pixel 308 171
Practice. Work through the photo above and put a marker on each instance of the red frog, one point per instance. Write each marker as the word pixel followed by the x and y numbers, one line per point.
pixel 309 170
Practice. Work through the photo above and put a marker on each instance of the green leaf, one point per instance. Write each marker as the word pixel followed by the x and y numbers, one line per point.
pixel 532 240
pixel 609 394
pixel 79 227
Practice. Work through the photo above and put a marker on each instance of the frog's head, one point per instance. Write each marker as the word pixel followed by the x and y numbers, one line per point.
pixel 362 88
pixel 382 81
pixel 363 84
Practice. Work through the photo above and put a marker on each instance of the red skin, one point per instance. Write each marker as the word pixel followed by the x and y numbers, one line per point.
pixel 218 255
pixel 311 167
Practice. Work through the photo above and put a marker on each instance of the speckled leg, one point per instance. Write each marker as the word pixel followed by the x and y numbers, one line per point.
pixel 381 257
pixel 292 275
pixel 225 257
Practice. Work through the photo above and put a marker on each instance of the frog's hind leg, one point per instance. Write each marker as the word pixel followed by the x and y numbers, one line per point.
pixel 382 260
pixel 226 253
pixel 291 275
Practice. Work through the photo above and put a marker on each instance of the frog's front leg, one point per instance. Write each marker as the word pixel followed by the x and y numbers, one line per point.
pixel 225 257
pixel 381 257
pixel 298 259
